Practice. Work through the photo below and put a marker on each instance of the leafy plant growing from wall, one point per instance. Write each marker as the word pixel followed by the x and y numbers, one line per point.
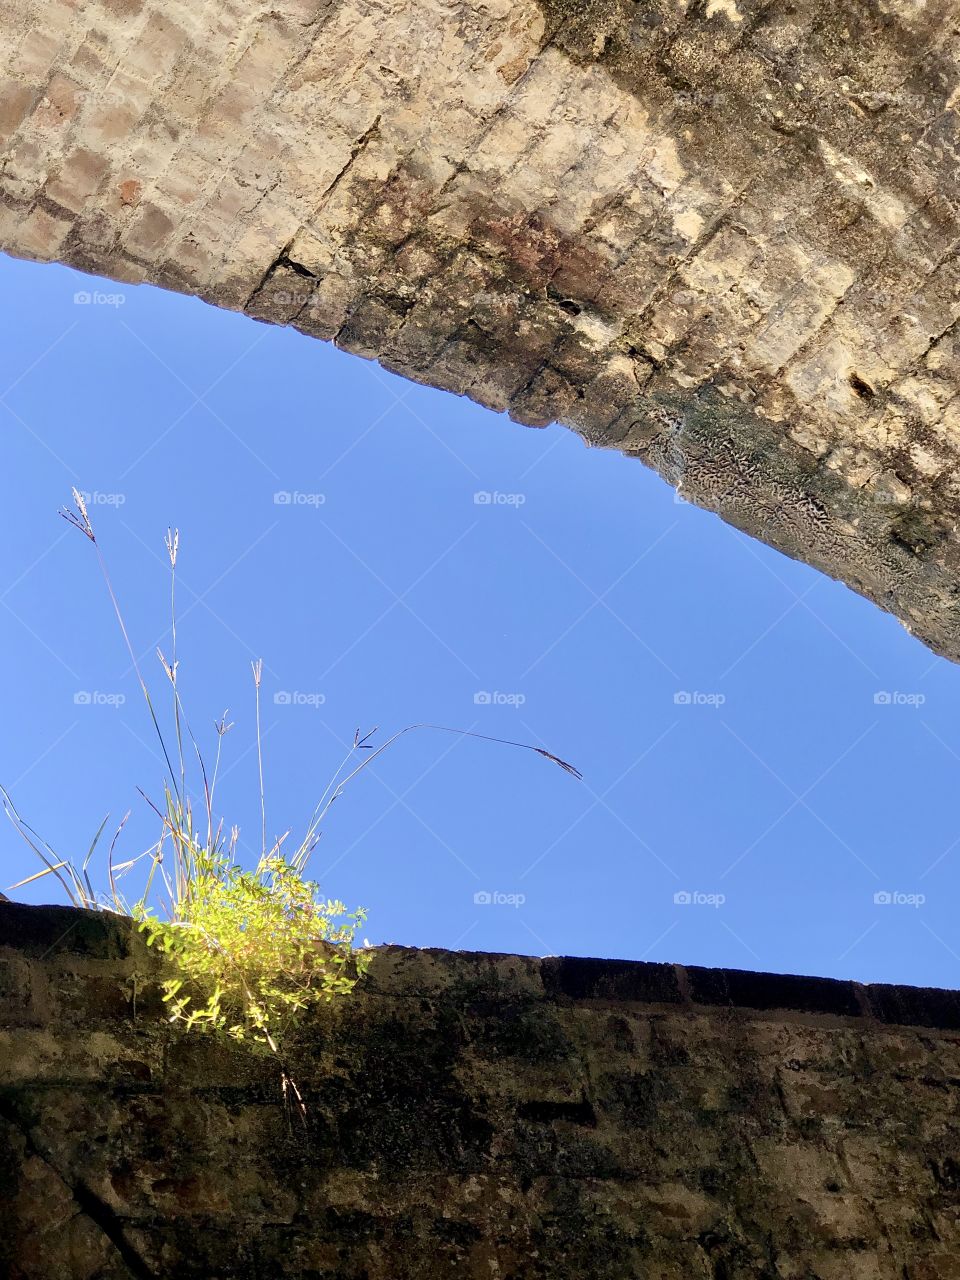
pixel 250 949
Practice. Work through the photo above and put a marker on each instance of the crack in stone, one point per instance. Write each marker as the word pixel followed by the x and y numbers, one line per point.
pixel 89 1204
pixel 355 152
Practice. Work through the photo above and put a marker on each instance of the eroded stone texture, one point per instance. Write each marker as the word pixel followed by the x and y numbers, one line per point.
pixel 475 1116
pixel 718 235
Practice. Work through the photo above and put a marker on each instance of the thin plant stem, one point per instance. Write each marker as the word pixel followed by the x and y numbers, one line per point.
pixel 82 522
pixel 172 544
pixel 302 857
pixel 257 679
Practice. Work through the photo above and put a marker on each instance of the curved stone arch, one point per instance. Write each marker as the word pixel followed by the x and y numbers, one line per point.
pixel 718 235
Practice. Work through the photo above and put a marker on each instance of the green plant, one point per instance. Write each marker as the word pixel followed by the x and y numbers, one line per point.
pixel 251 949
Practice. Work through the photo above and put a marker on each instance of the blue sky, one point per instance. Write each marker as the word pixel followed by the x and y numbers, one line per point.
pixel 754 737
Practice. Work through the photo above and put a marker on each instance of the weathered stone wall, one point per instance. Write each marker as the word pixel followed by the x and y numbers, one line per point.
pixel 719 235
pixel 475 1116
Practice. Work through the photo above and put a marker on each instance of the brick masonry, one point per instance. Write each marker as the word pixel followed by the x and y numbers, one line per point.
pixel 475 1116
pixel 718 235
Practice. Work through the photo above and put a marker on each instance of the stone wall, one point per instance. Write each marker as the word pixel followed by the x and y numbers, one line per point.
pixel 719 235
pixel 482 1117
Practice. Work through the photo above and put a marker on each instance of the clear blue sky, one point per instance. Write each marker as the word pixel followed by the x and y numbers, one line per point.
pixel 781 786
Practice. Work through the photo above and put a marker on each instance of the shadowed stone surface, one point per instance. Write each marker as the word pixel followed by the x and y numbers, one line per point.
pixel 719 235
pixel 475 1116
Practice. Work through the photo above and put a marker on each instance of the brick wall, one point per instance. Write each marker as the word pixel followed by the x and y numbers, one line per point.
pixel 475 1116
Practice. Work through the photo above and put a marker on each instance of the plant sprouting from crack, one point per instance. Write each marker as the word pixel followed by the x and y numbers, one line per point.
pixel 251 949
